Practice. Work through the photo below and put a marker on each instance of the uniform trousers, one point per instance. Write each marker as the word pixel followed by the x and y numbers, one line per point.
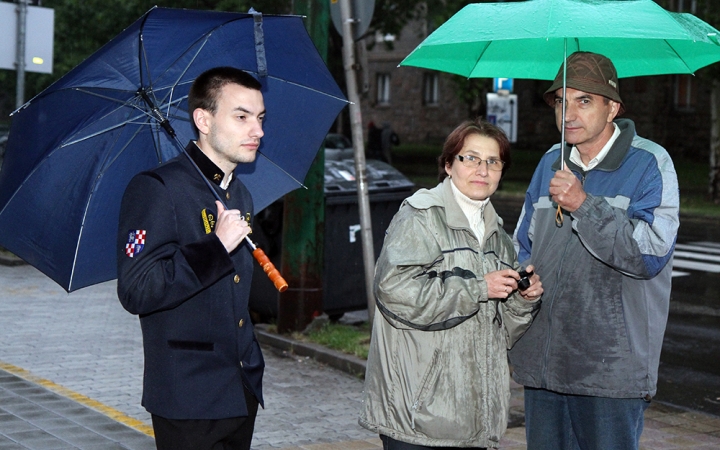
pixel 234 433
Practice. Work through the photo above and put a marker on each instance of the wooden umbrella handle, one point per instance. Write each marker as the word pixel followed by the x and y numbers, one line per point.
pixel 270 270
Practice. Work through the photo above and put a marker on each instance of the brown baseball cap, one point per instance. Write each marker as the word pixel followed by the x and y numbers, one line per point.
pixel 591 73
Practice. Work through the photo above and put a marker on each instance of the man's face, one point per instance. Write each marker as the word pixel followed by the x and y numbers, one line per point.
pixel 588 119
pixel 232 135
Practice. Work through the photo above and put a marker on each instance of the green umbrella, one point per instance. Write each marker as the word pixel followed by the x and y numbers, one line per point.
pixel 527 39
pixel 531 39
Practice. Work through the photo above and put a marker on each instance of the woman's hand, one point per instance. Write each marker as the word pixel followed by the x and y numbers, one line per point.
pixel 501 283
pixel 535 290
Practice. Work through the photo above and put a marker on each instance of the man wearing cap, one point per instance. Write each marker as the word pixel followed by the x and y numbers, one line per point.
pixel 589 362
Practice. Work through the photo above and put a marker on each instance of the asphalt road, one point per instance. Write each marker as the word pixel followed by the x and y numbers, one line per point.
pixel 689 373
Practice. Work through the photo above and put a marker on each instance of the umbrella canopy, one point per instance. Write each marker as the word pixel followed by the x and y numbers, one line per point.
pixel 73 149
pixel 527 39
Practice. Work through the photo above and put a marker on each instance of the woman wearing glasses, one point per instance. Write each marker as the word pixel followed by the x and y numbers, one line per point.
pixel 448 306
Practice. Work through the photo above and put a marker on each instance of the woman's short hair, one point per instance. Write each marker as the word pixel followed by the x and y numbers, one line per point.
pixel 205 90
pixel 456 139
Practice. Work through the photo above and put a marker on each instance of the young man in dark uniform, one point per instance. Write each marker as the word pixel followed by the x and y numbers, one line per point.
pixel 183 269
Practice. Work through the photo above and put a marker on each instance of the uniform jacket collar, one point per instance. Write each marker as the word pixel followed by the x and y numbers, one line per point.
pixel 207 167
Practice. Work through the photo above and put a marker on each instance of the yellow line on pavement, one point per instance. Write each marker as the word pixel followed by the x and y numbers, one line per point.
pixel 80 398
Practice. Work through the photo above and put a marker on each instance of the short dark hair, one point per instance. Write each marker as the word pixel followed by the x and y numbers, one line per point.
pixel 456 139
pixel 206 88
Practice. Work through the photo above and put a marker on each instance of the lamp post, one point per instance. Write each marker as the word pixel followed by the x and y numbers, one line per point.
pixel 20 53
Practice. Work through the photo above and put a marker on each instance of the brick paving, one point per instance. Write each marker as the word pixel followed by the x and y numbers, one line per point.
pixel 71 377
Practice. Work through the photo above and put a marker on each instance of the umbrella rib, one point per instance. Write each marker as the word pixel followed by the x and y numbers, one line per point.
pixel 678 56
pixel 127 144
pixel 130 120
pixel 121 102
pixel 309 88
pixel 99 132
pixel 477 60
pixel 99 175
pixel 104 97
pixel 283 170
pixel 190 63
pixel 173 85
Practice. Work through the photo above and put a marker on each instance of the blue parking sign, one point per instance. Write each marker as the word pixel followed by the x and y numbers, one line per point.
pixel 505 84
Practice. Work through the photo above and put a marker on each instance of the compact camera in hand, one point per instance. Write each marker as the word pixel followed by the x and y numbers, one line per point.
pixel 524 282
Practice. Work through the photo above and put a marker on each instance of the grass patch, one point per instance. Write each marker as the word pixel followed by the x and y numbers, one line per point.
pixel 350 339
pixel 693 180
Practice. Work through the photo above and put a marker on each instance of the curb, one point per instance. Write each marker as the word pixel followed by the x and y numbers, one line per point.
pixel 347 363
pixel 10 260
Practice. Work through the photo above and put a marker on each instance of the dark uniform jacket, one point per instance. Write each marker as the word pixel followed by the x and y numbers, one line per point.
pixel 191 296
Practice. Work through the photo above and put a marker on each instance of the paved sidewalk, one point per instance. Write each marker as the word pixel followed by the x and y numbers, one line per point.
pixel 71 376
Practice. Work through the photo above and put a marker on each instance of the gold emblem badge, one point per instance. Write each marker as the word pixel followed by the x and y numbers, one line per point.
pixel 208 219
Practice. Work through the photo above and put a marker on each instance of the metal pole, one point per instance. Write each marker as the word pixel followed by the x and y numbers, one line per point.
pixel 20 53
pixel 359 147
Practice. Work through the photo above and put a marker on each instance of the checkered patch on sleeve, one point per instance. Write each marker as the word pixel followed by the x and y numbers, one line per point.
pixel 135 243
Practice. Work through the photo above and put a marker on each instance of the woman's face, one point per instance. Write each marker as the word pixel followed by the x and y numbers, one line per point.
pixel 479 182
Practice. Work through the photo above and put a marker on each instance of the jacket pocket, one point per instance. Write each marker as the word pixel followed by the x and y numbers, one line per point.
pixel 192 345
pixel 428 380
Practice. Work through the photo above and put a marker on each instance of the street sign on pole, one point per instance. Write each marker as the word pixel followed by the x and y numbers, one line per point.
pixel 502 111
pixel 361 12
pixel 503 84
pixel 359 150
pixel 38 38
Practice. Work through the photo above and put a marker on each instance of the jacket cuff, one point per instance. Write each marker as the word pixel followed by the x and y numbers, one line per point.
pixel 208 259
pixel 482 285
pixel 584 208
pixel 518 304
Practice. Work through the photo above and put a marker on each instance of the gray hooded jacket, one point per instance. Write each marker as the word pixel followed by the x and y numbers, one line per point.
pixel 437 372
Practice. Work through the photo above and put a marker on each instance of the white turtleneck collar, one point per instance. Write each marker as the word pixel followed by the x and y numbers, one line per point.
pixel 473 210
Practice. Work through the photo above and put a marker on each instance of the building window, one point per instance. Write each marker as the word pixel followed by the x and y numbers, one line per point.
pixel 684 96
pixel 430 89
pixel 383 88
pixel 689 6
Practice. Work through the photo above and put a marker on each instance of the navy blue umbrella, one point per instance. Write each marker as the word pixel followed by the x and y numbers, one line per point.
pixel 74 147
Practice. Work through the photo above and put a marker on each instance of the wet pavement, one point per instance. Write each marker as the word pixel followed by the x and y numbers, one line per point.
pixel 71 378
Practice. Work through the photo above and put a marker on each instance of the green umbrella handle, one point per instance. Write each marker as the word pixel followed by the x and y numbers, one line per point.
pixel 559 217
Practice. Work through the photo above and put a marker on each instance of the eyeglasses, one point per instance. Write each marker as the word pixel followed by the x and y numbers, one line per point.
pixel 474 162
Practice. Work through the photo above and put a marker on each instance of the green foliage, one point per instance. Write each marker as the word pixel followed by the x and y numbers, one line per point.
pixel 390 16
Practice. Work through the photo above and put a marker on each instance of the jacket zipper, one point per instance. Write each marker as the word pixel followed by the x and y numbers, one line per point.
pixel 558 275
pixel 415 407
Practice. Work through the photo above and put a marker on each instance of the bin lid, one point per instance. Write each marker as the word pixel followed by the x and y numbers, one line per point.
pixel 381 177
